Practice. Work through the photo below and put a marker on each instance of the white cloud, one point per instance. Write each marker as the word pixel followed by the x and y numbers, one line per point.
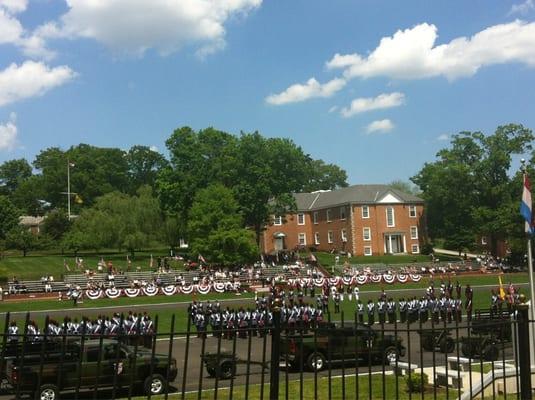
pixel 333 109
pixel 31 79
pixel 382 101
pixel 135 26
pixel 8 133
pixel 522 8
pixel 413 53
pixel 380 126
pixel 154 148
pixel 14 6
pixel 443 137
pixel 301 92
pixel 12 32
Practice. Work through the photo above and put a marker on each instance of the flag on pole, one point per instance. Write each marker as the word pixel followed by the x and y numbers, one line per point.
pixel 502 292
pixel 201 259
pixel 151 261
pixel 525 205
pixel 313 258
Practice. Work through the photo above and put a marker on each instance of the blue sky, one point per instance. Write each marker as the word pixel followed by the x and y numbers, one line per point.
pixel 374 86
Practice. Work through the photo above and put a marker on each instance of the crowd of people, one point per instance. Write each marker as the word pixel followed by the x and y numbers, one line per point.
pixel 131 325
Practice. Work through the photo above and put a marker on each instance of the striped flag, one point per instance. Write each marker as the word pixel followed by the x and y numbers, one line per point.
pixel 525 205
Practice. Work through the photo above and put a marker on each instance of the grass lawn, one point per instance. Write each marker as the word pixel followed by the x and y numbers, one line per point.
pixel 339 391
pixel 33 266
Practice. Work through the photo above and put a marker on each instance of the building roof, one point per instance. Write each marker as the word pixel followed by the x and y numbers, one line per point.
pixel 28 220
pixel 359 194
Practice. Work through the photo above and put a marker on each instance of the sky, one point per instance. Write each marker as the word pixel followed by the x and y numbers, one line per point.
pixel 374 86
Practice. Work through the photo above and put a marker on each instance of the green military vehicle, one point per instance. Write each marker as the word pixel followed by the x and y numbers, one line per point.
pixel 83 366
pixel 336 344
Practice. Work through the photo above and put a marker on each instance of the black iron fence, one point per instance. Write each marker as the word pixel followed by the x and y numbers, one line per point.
pixel 338 358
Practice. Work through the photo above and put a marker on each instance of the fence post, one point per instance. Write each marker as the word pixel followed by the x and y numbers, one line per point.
pixel 275 351
pixel 523 354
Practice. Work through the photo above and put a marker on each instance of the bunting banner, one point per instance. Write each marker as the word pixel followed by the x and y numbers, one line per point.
pixel 347 280
pixel 319 282
pixel 402 278
pixel 204 289
pixel 415 277
pixel 388 278
pixel 169 290
pixel 132 292
pixel 376 278
pixel 113 293
pixel 93 294
pixel 150 290
pixel 362 279
pixel 219 287
pixel 186 289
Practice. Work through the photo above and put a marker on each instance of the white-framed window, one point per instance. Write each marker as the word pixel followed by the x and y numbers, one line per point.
pixel 330 236
pixel 277 220
pixel 412 211
pixel 302 239
pixel 390 218
pixel 329 215
pixel 315 217
pixel 483 240
pixel 366 234
pixel 365 212
pixel 300 219
pixel 317 238
pixel 343 212
pixel 415 249
pixel 367 250
pixel 414 232
pixel 343 235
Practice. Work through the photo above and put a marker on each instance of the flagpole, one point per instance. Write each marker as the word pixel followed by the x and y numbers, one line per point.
pixel 69 190
pixel 531 286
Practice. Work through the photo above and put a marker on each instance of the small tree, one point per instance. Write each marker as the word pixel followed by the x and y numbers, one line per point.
pixel 20 238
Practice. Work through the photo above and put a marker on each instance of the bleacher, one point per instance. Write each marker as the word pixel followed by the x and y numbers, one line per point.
pixel 124 280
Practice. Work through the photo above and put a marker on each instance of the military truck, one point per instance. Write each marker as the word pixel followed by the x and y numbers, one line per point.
pixel 83 366
pixel 336 344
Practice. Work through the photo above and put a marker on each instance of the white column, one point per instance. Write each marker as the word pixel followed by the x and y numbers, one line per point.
pixel 384 242
pixel 390 244
pixel 405 244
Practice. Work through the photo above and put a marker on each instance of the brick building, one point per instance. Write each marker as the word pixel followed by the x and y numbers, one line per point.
pixel 360 219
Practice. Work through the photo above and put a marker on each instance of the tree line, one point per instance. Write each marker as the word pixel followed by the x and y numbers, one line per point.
pixel 218 191
pixel 215 189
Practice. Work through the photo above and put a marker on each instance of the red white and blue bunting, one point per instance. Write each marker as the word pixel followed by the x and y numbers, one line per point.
pixel 388 278
pixel 113 293
pixel 132 292
pixel 402 278
pixel 93 294
pixel 169 290
pixel 219 287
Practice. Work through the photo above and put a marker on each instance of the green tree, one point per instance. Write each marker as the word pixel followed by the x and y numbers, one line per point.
pixel 118 220
pixel 12 173
pixel 29 197
pixel 9 216
pixel 216 228
pixel 406 187
pixel 94 171
pixel 469 190
pixel 144 165
pixel 20 238
pixel 56 224
pixel 323 176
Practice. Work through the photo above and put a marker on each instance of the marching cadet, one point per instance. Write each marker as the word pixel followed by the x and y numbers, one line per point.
pixel 356 293
pixel 337 303
pixel 312 290
pixel 349 293
pixel 403 307
pixel 443 307
pixel 13 333
pixel 391 310
pixel 199 324
pixel 424 311
pixel 381 309
pixel 33 332
pixel 319 302
pixel 371 312
pixel 414 310
pixel 493 303
pixel 458 309
pixel 458 289
pixel 325 303
pixel 436 311
pixel 449 304
pixel 469 309
pixel 360 311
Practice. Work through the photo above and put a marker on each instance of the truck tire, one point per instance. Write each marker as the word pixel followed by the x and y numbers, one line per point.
pixel 155 385
pixel 227 369
pixel 467 351
pixel 447 345
pixel 316 361
pixel 491 353
pixel 211 372
pixel 428 343
pixel 47 392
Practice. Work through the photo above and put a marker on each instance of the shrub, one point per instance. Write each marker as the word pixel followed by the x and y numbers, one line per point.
pixel 416 383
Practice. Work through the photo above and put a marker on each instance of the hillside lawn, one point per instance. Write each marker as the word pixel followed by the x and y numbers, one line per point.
pixel 35 265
